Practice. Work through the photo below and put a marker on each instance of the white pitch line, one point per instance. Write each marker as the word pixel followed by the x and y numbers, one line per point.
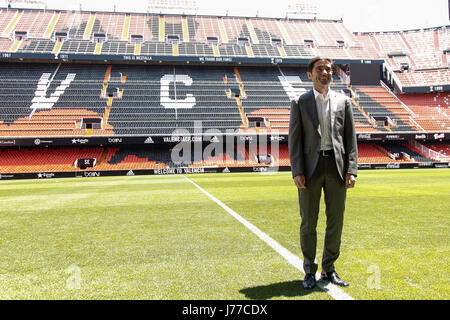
pixel 334 291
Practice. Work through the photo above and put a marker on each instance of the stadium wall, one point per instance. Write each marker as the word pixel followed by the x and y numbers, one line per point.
pixel 206 170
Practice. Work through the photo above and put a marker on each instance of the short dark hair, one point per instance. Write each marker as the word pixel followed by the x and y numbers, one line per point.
pixel 315 59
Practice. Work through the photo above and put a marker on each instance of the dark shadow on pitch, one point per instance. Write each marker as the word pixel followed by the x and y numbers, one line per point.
pixel 281 289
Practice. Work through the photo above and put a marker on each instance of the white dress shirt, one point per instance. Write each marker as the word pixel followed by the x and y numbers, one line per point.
pixel 324 113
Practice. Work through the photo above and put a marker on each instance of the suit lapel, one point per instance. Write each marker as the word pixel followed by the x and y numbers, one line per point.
pixel 313 112
pixel 333 108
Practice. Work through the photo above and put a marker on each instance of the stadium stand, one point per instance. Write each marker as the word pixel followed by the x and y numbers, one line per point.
pixel 442 148
pixel 433 110
pixel 401 152
pixel 371 153
pixel 111 76
pixel 81 28
pixel 379 104
pixel 44 159
pixel 153 99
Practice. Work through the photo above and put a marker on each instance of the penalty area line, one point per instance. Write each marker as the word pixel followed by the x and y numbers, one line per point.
pixel 334 291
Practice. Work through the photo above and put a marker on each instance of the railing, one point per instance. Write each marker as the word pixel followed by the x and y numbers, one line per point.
pixel 428 152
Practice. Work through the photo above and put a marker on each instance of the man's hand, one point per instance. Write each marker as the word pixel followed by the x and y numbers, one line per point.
pixel 299 181
pixel 349 180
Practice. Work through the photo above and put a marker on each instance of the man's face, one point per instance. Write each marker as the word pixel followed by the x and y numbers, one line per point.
pixel 321 74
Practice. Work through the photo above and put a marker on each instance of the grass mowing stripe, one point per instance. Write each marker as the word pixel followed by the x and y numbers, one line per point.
pixel 330 288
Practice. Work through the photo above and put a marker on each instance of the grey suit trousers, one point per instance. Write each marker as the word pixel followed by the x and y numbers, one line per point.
pixel 326 177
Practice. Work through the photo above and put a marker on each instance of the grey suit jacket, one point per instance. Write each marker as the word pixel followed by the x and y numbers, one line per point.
pixel 305 135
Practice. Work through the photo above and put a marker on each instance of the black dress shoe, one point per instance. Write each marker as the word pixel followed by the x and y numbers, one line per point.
pixel 309 282
pixel 333 278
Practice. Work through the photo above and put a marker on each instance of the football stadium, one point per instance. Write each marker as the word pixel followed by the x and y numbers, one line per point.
pixel 144 155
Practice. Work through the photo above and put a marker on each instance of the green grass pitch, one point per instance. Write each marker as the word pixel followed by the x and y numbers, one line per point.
pixel 159 237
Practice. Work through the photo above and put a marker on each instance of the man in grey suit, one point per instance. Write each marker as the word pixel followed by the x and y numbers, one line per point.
pixel 323 154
